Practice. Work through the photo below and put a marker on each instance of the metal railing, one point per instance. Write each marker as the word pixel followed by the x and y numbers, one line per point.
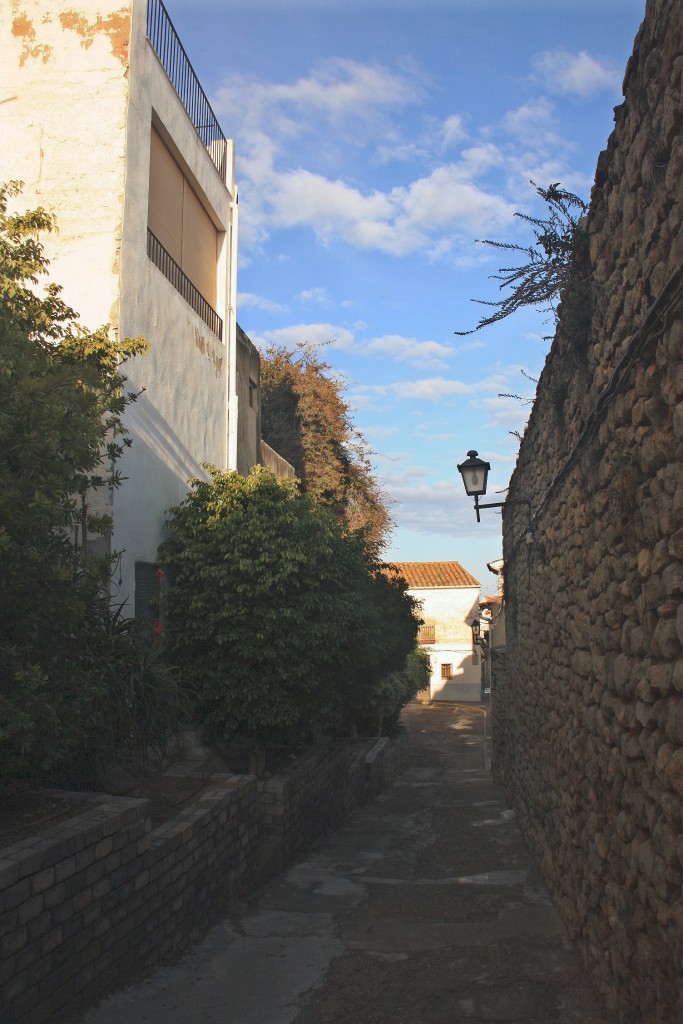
pixel 181 282
pixel 175 62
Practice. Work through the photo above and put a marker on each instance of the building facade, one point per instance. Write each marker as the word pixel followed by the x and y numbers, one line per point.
pixel 105 122
pixel 448 598
pixel 492 619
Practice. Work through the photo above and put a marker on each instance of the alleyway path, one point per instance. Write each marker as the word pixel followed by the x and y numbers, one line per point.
pixel 423 908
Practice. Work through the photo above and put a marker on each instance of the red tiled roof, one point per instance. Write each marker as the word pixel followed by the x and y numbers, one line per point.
pixel 435 574
pixel 496 599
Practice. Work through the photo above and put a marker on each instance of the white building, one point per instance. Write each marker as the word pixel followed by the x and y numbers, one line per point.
pixel 103 119
pixel 449 606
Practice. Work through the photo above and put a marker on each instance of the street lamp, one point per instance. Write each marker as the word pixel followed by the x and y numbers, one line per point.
pixel 476 632
pixel 474 476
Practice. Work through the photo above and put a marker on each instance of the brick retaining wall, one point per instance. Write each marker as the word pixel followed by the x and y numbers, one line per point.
pixel 320 789
pixel 99 897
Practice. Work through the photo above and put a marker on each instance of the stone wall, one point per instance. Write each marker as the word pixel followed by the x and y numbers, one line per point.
pixel 102 896
pixel 503 742
pixel 589 718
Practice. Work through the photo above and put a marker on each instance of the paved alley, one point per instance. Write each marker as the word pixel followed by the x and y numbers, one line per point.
pixel 423 908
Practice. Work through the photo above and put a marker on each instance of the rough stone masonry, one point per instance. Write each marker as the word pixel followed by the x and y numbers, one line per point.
pixel 588 699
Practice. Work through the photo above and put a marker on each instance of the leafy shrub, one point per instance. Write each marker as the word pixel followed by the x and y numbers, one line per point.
pixel 275 615
pixel 76 685
pixel 392 692
pixel 254 617
pixel 384 636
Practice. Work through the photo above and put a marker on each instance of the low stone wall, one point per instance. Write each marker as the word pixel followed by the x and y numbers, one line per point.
pixel 101 896
pixel 385 761
pixel 302 802
pixel 318 791
pixel 93 899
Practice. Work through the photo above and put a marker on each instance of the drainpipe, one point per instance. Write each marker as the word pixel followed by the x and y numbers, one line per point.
pixel 232 410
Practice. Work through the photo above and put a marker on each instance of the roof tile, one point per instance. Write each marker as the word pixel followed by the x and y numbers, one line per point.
pixel 435 574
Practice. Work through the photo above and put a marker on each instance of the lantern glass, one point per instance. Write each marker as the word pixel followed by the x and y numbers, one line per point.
pixel 474 474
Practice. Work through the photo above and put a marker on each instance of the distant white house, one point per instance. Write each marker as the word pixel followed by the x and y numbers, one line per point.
pixel 448 596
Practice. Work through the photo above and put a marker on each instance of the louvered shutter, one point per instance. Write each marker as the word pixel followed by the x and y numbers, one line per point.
pixel 166 195
pixel 199 246
pixel 146 594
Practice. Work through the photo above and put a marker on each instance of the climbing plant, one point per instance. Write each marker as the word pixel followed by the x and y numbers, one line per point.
pixel 560 242
pixel 307 420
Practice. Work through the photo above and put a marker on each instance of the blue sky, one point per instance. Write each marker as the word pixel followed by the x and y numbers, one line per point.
pixel 376 142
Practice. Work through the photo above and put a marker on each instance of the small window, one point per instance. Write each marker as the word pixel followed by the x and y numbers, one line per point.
pixel 253 394
pixel 427 634
pixel 446 671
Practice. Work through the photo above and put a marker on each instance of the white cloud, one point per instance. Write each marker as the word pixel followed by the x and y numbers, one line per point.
pixel 432 389
pixel 399 150
pixel 249 300
pixel 399 222
pixel 506 413
pixel 337 96
pixel 379 431
pixel 435 389
pixel 575 74
pixel 437 507
pixel 304 146
pixel 452 131
pixel 315 334
pixel 447 199
pixel 419 353
pixel 314 295
pixel 329 207
pixel 533 122
pixel 392 346
pixel 481 158
pixel 404 476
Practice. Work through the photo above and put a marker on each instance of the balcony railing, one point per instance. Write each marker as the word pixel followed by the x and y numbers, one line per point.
pixel 175 62
pixel 181 282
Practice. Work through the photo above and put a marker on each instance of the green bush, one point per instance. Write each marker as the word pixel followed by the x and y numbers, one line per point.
pixel 275 615
pixel 73 689
pixel 384 635
pixel 378 713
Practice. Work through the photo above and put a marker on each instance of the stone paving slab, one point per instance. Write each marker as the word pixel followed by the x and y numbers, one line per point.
pixel 423 907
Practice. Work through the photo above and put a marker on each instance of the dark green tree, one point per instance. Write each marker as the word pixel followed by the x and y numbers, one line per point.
pixel 385 636
pixel 62 397
pixel 276 615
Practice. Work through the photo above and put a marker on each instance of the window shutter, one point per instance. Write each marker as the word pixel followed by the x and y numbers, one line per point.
pixel 165 207
pixel 146 594
pixel 199 246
